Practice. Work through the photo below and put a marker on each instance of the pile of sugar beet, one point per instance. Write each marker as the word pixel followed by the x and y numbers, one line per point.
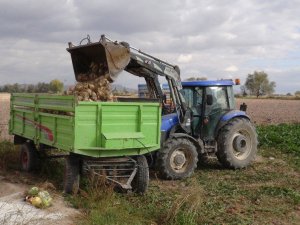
pixel 92 86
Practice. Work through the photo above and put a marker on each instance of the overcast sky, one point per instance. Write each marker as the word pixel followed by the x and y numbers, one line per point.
pixel 212 38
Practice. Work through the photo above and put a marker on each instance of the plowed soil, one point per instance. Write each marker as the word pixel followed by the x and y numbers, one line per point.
pixel 272 111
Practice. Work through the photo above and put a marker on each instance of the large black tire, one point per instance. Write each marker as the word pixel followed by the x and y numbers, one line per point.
pixel 71 174
pixel 237 144
pixel 177 159
pixel 140 182
pixel 28 157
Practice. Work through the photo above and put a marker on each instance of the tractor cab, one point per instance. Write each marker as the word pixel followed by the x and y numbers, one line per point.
pixel 210 103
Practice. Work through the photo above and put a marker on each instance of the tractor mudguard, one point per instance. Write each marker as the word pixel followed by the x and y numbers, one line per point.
pixel 199 145
pixel 228 116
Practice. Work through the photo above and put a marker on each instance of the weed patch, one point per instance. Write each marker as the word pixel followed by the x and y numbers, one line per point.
pixel 9 156
pixel 284 137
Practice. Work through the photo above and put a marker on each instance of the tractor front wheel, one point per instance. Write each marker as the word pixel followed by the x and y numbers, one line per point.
pixel 177 159
pixel 237 144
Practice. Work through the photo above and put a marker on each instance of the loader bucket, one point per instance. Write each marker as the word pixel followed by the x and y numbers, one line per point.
pixel 94 60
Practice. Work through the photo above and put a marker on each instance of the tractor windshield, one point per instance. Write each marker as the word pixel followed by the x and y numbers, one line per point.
pixel 223 98
pixel 219 95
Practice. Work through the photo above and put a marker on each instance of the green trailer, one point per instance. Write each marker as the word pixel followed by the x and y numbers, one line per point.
pixel 109 138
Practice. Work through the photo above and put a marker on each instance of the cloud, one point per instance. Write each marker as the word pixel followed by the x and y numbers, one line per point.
pixel 203 37
pixel 231 68
pixel 185 58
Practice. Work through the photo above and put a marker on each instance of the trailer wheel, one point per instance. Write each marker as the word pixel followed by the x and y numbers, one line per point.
pixel 28 157
pixel 177 159
pixel 71 174
pixel 237 144
pixel 141 180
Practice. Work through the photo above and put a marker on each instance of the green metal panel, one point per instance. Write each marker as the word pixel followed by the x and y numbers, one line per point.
pixel 21 126
pixel 101 127
pixel 98 129
pixel 56 102
pixel 30 120
pixel 62 128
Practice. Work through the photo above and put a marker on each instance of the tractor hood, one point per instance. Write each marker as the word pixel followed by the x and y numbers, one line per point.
pixel 169 121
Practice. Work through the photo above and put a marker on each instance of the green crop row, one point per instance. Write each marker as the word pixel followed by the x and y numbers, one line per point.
pixel 284 137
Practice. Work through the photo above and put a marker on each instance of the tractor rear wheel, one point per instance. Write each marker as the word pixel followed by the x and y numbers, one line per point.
pixel 28 157
pixel 141 180
pixel 237 144
pixel 177 159
pixel 71 174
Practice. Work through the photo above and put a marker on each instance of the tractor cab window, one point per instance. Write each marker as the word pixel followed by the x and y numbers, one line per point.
pixel 192 96
pixel 188 96
pixel 219 95
pixel 198 96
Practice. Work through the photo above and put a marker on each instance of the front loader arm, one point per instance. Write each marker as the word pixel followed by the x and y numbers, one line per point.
pixel 109 58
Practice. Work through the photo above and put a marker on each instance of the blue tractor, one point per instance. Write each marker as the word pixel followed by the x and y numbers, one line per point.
pixel 204 120
pixel 213 126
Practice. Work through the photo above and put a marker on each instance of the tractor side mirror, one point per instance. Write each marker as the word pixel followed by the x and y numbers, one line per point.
pixel 209 99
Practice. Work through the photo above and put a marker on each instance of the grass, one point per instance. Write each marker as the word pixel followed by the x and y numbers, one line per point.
pixel 267 192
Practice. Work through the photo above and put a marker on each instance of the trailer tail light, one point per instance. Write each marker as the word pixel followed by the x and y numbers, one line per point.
pixel 237 82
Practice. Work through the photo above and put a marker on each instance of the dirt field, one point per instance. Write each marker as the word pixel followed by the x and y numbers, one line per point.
pixel 272 111
pixel 4 116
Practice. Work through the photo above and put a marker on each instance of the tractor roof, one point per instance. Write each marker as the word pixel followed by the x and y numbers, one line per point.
pixel 206 83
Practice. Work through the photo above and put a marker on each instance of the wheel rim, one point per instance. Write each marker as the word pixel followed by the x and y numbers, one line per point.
pixel 241 144
pixel 24 159
pixel 179 160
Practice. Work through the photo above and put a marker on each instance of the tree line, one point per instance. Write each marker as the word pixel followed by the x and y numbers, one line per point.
pixel 256 84
pixel 54 86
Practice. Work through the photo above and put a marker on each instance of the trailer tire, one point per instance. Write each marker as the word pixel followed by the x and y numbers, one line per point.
pixel 237 144
pixel 71 174
pixel 28 157
pixel 177 159
pixel 140 182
